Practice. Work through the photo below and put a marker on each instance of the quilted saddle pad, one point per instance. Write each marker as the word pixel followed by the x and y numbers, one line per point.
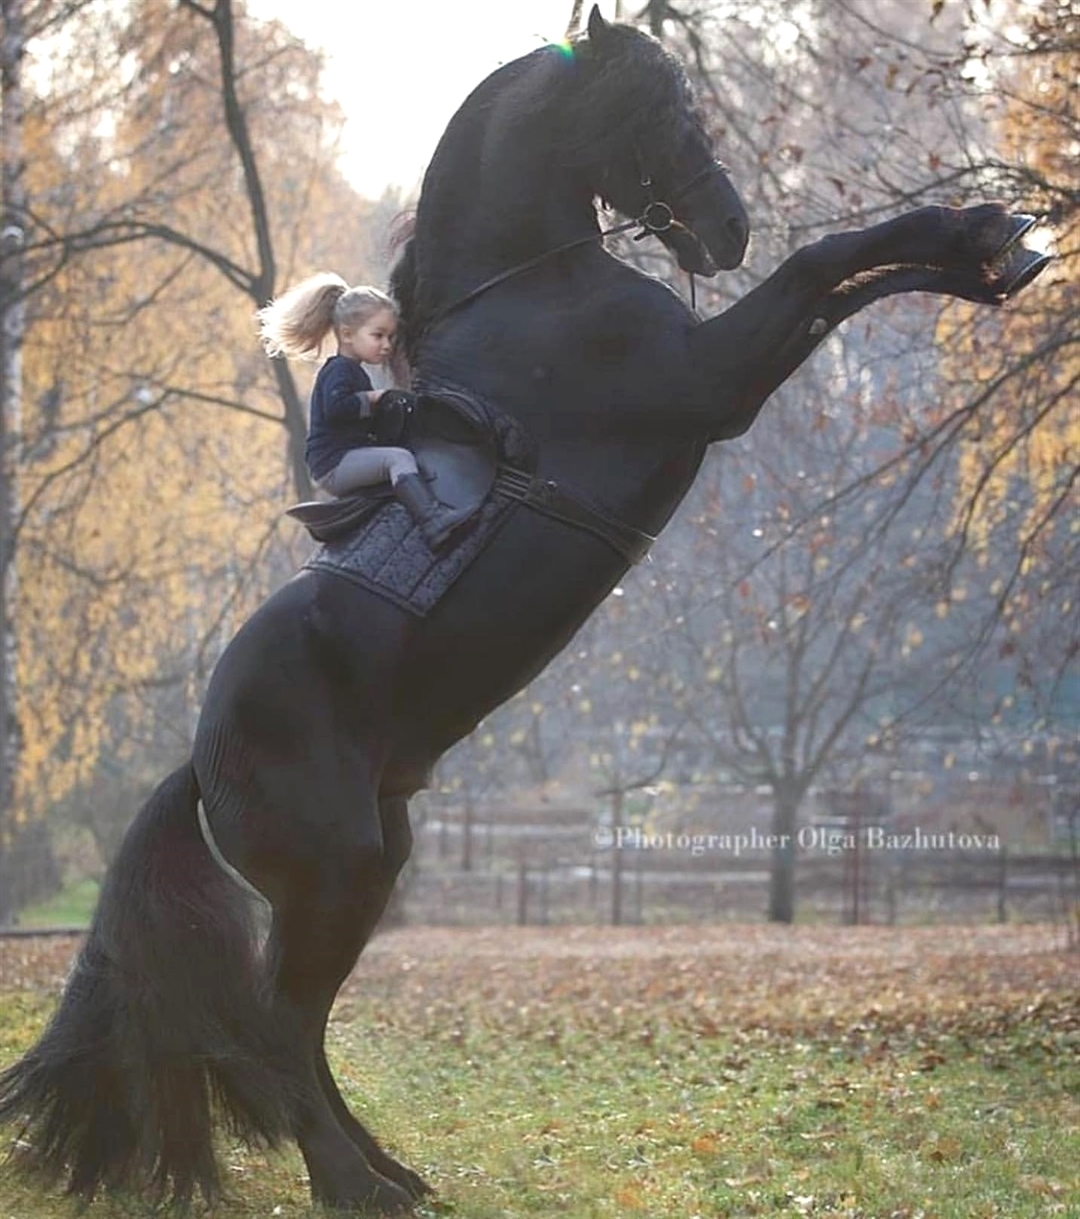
pixel 388 556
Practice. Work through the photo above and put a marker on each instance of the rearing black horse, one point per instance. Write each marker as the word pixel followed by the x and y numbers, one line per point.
pixel 330 706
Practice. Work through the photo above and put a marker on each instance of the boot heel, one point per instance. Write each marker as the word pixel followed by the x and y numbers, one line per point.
pixel 438 523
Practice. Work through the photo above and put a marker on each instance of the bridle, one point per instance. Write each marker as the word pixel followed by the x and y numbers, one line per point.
pixel 657 216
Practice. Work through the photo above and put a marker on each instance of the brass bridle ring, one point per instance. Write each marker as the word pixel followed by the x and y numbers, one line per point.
pixel 657 217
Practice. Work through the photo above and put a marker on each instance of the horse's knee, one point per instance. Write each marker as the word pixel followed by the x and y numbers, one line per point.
pixel 807 262
pixel 823 264
pixel 353 873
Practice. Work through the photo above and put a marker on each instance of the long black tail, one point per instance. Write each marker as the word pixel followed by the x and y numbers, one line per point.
pixel 161 1026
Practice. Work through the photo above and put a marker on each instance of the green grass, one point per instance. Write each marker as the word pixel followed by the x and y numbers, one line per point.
pixel 668 1125
pixel 71 907
pixel 526 1122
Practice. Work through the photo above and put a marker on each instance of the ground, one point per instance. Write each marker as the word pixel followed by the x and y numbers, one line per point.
pixel 839 1073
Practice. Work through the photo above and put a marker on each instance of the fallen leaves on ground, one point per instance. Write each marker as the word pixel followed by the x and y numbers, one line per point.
pixel 845 983
pixel 36 962
pixel 855 983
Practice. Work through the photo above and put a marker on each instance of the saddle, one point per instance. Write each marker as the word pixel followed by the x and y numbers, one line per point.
pixel 455 449
pixel 473 454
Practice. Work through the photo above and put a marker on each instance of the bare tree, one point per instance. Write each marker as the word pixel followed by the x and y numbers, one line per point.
pixel 135 237
pixel 12 324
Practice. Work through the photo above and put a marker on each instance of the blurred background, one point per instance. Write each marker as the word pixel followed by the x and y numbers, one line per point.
pixel 861 628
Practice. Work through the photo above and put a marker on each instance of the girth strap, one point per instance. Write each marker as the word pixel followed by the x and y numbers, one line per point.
pixel 549 498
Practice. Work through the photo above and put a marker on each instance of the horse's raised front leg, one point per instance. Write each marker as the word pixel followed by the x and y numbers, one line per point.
pixel 850 298
pixel 745 353
pixel 959 239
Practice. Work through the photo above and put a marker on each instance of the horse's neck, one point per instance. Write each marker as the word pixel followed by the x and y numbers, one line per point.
pixel 495 196
pixel 496 228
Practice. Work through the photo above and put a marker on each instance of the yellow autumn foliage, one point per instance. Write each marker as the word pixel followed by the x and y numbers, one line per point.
pixel 1017 375
pixel 153 472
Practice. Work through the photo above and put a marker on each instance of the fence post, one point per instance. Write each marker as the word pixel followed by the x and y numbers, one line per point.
pixel 617 797
pixel 523 894
pixel 639 889
pixel 890 889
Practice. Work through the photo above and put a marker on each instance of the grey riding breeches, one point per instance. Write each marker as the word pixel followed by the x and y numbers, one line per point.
pixel 366 468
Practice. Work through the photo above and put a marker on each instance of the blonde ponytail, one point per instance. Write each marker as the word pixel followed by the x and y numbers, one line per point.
pixel 296 324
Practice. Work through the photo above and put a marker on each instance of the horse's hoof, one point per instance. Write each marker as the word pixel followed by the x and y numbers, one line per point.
pixel 1018 225
pixel 418 1187
pixel 1019 270
pixel 411 1182
pixel 373 1195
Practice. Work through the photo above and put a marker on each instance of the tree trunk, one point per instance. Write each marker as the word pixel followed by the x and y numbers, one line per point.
pixel 782 876
pixel 12 325
pixel 295 427
pixel 263 281
pixel 617 798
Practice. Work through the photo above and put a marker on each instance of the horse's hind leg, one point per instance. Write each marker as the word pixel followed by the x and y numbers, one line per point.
pixel 318 851
pixel 397 842
pixel 322 920
pixel 376 1156
pixel 314 942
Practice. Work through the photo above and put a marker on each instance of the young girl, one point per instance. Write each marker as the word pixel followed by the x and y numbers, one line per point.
pixel 342 454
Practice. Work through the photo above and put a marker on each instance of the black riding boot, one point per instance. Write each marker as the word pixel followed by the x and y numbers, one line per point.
pixel 437 521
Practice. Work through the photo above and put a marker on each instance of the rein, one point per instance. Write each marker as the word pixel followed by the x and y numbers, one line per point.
pixel 656 217
pixel 548 496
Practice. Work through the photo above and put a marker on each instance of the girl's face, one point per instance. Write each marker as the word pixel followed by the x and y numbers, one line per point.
pixel 371 341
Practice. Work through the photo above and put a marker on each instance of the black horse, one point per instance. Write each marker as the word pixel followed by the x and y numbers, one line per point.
pixel 328 709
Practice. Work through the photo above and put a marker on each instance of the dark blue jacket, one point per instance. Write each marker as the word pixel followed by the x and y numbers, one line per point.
pixel 341 418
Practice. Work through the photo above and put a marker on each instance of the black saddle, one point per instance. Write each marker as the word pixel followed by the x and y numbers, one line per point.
pixel 455 449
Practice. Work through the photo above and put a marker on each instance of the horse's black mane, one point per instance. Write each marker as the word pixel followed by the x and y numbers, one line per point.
pixel 593 107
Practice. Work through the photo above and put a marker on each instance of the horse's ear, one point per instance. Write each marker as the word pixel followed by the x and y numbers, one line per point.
pixel 598 28
pixel 573 26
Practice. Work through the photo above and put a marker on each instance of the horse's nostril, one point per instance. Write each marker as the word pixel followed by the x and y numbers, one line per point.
pixel 738 231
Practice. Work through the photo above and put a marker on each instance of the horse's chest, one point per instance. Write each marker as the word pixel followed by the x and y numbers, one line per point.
pixel 610 349
pixel 626 343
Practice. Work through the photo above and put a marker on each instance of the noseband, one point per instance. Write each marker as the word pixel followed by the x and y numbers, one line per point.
pixel 656 217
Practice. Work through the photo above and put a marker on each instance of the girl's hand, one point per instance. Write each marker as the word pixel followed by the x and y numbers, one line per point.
pixel 374 395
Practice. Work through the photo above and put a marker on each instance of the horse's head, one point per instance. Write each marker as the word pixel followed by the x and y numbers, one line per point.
pixel 610 114
pixel 636 115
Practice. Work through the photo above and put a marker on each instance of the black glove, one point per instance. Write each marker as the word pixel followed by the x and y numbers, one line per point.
pixel 392 414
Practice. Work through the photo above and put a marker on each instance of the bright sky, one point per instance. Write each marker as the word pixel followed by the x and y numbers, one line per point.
pixel 400 68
